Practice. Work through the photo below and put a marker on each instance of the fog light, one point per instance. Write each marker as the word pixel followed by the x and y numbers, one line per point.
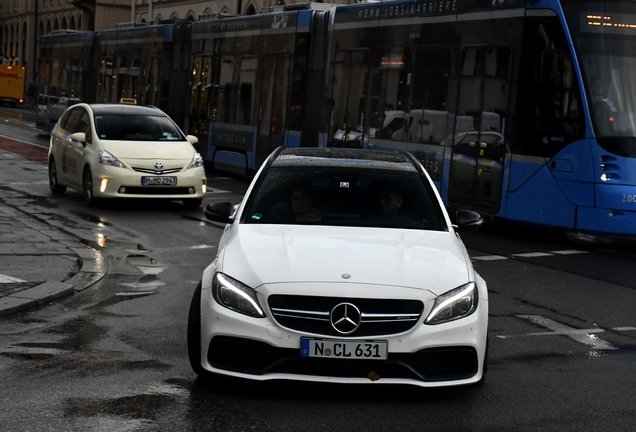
pixel 103 185
pixel 190 190
pixel 204 187
pixel 122 190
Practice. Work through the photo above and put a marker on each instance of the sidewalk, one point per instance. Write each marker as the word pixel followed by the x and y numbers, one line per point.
pixel 38 263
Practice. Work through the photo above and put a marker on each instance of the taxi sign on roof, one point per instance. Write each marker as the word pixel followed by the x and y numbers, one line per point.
pixel 129 101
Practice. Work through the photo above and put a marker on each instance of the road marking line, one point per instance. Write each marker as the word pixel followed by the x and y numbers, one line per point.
pixel 203 246
pixel 8 279
pixel 29 183
pixel 532 254
pixel 216 190
pixel 490 258
pixel 568 252
pixel 584 336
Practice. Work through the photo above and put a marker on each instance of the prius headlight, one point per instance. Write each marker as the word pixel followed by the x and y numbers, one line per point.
pixel 197 161
pixel 455 304
pixel 106 158
pixel 234 295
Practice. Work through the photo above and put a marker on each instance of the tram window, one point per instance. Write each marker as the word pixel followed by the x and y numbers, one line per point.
pixel 151 86
pixel 420 90
pixel 550 104
pixel 223 89
pixel 349 78
pixel 247 80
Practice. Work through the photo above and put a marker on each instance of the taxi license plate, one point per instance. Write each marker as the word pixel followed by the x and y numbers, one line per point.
pixel 149 181
pixel 365 350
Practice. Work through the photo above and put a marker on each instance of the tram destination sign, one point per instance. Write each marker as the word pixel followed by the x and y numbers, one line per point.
pixel 420 8
pixel 148 33
pixel 81 38
pixel 200 29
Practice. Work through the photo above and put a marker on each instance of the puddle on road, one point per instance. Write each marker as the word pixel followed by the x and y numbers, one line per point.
pixel 141 406
pixel 79 332
pixel 92 218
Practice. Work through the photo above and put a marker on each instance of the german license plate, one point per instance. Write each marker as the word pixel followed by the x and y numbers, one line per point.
pixel 366 350
pixel 164 181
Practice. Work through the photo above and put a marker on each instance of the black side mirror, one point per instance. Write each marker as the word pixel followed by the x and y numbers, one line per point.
pixel 218 212
pixel 468 220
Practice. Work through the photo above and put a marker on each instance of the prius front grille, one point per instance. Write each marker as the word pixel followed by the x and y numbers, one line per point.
pixel 157 172
pixel 378 317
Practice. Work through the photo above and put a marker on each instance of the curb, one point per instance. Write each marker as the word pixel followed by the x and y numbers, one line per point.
pixel 93 266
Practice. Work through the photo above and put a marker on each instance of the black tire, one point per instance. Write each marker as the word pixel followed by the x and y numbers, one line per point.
pixel 56 188
pixel 194 333
pixel 192 202
pixel 87 188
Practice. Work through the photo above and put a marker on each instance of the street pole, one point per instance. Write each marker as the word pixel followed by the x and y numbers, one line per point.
pixel 132 13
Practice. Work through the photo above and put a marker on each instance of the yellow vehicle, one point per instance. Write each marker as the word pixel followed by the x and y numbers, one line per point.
pixel 12 84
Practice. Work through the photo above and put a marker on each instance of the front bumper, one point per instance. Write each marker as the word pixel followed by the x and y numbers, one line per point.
pixel 125 183
pixel 426 355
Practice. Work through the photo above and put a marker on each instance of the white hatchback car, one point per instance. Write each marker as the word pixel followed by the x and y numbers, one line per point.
pixel 124 151
pixel 341 265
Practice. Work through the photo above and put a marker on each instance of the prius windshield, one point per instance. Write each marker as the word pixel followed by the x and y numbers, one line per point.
pixel 127 127
pixel 604 36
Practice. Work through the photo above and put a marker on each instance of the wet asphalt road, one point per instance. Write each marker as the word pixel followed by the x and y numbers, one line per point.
pixel 113 358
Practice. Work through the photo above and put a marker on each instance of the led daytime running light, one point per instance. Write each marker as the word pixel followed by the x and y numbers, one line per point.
pixel 226 283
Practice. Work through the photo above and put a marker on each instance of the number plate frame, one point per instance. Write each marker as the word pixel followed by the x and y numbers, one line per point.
pixel 159 181
pixel 344 349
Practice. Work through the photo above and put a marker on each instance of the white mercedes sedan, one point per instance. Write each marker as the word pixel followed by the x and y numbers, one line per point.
pixel 124 151
pixel 341 266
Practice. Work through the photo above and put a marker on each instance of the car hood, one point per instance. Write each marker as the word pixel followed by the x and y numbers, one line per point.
pixel 267 254
pixel 152 150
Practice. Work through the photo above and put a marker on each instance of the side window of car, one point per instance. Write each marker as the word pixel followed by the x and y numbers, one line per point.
pixel 84 125
pixel 71 119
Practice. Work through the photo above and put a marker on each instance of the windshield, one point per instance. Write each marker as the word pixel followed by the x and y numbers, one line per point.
pixel 344 196
pixel 604 36
pixel 136 128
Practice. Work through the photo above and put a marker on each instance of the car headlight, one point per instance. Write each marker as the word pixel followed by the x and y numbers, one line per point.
pixel 234 295
pixel 197 161
pixel 455 304
pixel 106 158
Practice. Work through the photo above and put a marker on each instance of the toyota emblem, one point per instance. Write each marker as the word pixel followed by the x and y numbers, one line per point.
pixel 345 318
pixel 158 165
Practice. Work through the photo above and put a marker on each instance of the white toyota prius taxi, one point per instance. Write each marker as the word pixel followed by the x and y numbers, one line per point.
pixel 124 151
pixel 341 265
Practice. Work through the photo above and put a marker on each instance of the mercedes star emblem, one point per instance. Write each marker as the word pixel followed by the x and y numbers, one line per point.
pixel 345 318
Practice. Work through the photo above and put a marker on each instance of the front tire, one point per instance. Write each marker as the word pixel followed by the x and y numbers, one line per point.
pixel 194 333
pixel 87 183
pixel 56 188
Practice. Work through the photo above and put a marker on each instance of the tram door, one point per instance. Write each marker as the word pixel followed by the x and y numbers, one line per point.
pixel 349 87
pixel 200 99
pixel 273 104
pixel 479 142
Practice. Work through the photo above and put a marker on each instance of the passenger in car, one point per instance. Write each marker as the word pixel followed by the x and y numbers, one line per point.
pixel 389 201
pixel 297 209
